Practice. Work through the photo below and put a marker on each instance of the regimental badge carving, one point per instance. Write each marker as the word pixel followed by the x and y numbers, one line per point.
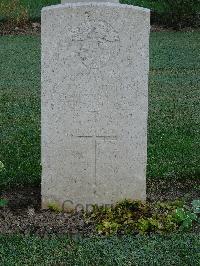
pixel 97 43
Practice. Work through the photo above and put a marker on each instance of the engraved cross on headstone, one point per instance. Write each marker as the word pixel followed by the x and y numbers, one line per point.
pixel 95 138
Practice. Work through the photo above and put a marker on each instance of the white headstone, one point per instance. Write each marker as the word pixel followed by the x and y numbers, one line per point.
pixel 95 63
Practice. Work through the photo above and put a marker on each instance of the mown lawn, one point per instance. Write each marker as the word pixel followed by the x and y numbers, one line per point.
pixel 174 107
pixel 176 250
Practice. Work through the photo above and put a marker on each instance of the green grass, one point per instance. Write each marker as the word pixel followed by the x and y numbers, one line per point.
pixel 156 5
pixel 176 250
pixel 174 107
pixel 20 109
pixel 174 117
pixel 34 6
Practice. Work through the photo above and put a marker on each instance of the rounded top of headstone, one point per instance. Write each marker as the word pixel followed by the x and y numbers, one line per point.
pixel 86 1
pixel 91 3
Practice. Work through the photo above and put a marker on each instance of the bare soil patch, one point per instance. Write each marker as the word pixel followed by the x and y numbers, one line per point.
pixel 26 29
pixel 23 215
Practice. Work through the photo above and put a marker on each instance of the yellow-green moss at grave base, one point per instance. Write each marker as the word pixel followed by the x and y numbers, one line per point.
pixel 95 63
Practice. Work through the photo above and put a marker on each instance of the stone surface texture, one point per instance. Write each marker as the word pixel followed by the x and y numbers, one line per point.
pixel 95 63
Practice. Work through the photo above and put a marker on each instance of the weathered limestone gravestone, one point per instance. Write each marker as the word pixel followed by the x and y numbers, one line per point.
pixel 95 63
